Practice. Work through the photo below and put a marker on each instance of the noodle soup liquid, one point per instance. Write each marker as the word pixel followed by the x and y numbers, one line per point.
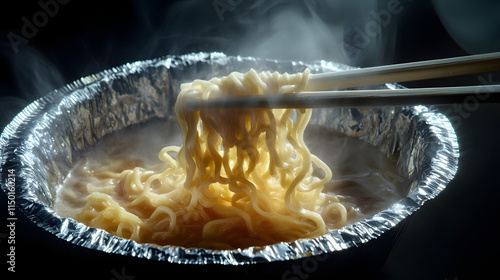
pixel 364 180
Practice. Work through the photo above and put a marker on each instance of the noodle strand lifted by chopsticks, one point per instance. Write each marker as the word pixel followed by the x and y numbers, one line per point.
pixel 242 177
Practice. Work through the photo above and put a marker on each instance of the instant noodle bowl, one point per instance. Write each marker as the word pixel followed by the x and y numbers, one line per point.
pixel 47 139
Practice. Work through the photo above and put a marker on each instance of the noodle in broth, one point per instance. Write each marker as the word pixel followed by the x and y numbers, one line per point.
pixel 241 178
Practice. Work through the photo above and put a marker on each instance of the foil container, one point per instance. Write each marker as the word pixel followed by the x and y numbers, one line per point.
pixel 43 141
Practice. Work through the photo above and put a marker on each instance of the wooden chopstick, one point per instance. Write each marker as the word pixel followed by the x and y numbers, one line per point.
pixel 355 98
pixel 395 73
pixel 322 89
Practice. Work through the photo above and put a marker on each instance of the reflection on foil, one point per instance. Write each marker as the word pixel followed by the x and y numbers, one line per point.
pixel 44 140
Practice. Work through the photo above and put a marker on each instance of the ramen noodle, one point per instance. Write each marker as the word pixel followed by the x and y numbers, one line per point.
pixel 241 178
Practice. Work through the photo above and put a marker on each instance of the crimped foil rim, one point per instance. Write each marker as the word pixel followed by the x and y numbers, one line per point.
pixel 15 148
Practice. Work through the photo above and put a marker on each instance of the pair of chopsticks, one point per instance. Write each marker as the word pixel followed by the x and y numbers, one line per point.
pixel 324 90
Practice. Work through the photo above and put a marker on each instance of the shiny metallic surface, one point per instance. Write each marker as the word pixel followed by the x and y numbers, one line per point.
pixel 49 135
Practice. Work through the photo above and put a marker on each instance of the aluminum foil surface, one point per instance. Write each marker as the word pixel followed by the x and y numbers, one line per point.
pixel 48 136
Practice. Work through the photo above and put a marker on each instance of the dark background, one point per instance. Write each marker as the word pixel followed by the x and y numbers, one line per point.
pixel 453 236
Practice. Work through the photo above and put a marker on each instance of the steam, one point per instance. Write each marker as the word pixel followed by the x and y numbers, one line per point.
pixel 315 30
pixel 351 32
pixel 32 76
pixel 293 32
